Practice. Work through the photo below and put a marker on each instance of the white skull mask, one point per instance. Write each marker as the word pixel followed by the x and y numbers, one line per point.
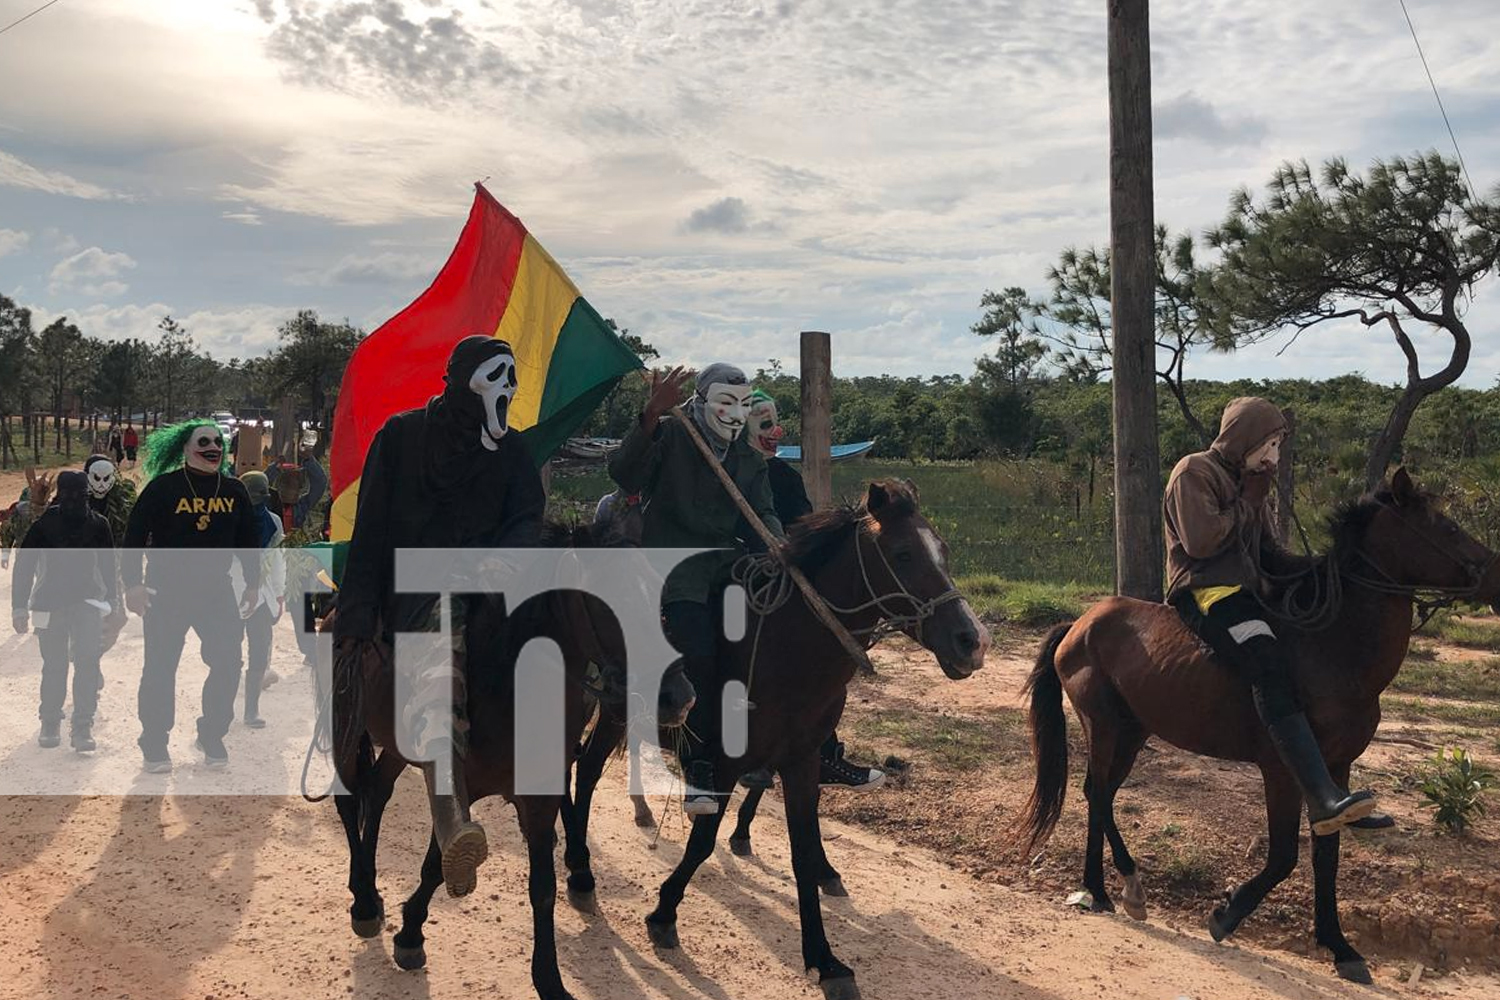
pixel 494 382
pixel 726 407
pixel 101 473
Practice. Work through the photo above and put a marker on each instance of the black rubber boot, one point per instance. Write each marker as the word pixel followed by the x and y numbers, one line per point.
pixel 461 840
pixel 51 734
pixel 1329 807
pixel 82 737
pixel 699 798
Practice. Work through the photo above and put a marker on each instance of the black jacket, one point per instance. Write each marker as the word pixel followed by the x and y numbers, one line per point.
pixel 77 563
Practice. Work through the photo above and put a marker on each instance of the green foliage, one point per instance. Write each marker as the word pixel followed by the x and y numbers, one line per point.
pixel 1028 604
pixel 1454 789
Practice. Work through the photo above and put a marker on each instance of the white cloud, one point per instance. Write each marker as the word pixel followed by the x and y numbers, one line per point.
pixel 245 216
pixel 93 272
pixel 13 241
pixel 236 331
pixel 15 172
pixel 376 269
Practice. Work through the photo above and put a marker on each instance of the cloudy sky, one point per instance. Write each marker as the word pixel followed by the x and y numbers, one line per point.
pixel 715 174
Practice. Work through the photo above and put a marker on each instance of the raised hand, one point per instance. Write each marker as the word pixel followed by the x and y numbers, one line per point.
pixel 666 392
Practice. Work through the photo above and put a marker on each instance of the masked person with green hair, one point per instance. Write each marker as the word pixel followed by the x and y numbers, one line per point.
pixel 764 433
pixel 686 506
pixel 270 602
pixel 194 519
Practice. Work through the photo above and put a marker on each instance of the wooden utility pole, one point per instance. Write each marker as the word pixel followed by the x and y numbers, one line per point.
pixel 817 418
pixel 1132 293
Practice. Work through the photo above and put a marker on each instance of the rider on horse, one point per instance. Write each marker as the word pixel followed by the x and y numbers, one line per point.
pixel 446 475
pixel 1221 555
pixel 687 507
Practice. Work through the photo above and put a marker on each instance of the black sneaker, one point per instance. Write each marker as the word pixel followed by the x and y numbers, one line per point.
pixel 254 721
pixel 838 772
pixel 51 734
pixel 697 776
pixel 82 739
pixel 214 754
pixel 158 762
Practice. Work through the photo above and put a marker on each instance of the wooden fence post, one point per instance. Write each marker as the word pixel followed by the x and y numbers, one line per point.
pixel 817 418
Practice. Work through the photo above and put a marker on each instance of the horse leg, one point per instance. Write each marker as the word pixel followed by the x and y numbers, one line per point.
pixel 576 810
pixel 829 879
pixel 739 840
pixel 1102 738
pixel 1349 963
pixel 383 782
pixel 408 950
pixel 661 924
pixel 366 915
pixel 799 786
pixel 538 818
pixel 1283 815
pixel 1127 745
pixel 644 818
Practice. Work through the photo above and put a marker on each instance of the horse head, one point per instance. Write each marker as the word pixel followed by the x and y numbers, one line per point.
pixel 1409 543
pixel 910 580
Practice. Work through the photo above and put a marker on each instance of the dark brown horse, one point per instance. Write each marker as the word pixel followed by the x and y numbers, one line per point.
pixel 879 564
pixel 1133 669
pixel 585 632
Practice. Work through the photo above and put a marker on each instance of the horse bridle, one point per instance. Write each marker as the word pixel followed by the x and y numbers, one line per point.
pixel 892 621
pixel 1475 569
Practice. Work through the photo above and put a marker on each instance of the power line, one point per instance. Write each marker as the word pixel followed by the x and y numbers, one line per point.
pixel 1439 98
pixel 34 13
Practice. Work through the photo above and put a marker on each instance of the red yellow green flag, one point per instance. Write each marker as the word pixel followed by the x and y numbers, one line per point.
pixel 498 281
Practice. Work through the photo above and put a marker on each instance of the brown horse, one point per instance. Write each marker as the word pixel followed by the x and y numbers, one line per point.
pixel 1133 669
pixel 585 632
pixel 879 565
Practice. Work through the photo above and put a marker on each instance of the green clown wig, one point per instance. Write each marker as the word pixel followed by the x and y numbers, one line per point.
pixel 165 446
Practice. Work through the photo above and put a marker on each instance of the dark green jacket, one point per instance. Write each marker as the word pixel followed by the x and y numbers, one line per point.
pixel 685 505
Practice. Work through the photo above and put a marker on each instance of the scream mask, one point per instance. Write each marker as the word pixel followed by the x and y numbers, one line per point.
pixel 73 497
pixel 481 384
pixel 722 402
pixel 204 449
pixel 765 432
pixel 101 476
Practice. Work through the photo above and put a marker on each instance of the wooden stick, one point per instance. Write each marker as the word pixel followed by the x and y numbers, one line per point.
pixel 814 600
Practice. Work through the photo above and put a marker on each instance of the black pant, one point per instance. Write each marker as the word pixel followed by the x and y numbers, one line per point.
pixel 693 630
pixel 1240 633
pixel 210 611
pixel 259 628
pixel 76 633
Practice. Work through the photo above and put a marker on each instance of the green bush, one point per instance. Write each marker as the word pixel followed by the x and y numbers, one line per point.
pixel 1454 788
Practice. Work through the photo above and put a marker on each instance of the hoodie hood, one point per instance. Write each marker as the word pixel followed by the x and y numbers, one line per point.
pixel 1248 422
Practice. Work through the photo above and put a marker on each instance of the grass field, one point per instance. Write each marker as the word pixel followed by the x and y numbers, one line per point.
pixel 1018 521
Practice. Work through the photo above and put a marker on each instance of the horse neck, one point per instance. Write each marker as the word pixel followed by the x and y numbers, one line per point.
pixel 840 582
pixel 1373 628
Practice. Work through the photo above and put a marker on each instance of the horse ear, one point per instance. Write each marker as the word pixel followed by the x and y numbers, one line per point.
pixel 876 497
pixel 1402 488
pixel 911 485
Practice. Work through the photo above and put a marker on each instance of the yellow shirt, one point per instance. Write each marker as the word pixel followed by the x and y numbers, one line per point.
pixel 1207 597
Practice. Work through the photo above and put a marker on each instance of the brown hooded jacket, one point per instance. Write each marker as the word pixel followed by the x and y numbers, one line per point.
pixel 1214 537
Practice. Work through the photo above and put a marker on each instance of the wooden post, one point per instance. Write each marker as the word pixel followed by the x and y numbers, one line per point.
pixel 814 600
pixel 817 418
pixel 1285 480
pixel 1138 538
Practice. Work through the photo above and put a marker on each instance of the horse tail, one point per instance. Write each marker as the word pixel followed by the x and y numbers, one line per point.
pixel 1049 743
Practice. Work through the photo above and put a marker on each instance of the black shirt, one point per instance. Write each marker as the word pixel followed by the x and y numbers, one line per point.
pixel 210 513
pixel 77 563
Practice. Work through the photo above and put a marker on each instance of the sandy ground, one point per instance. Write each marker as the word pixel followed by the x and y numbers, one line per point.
pixel 154 889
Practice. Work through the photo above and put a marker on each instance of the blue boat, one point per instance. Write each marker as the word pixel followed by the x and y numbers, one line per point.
pixel 840 452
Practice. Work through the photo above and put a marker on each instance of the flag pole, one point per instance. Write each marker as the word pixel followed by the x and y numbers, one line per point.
pixel 815 600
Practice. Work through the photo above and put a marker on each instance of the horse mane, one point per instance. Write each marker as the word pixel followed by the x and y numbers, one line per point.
pixel 1350 519
pixel 814 539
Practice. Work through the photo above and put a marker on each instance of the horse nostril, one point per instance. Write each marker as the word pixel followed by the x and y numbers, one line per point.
pixel 968 641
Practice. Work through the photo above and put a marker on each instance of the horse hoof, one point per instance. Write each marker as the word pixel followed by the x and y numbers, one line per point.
pixel 740 847
pixel 1355 970
pixel 369 927
pixel 1135 898
pixel 410 959
pixel 644 818
pixel 1135 909
pixel 663 935
pixel 834 887
pixel 1218 927
pixel 843 988
pixel 583 901
pixel 1102 904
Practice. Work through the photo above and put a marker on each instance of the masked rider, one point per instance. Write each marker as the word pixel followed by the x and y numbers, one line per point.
pixel 195 519
pixel 1221 551
pixel 447 475
pixel 792 504
pixel 687 507
pixel 111 496
pixel 72 548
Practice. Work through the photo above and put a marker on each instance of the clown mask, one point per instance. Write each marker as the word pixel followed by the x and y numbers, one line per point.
pixel 765 433
pixel 101 473
pixel 725 407
pixel 494 382
pixel 204 449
